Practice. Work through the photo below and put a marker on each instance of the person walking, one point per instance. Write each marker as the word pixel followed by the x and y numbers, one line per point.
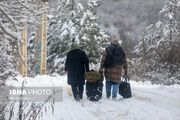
pixel 77 63
pixel 113 61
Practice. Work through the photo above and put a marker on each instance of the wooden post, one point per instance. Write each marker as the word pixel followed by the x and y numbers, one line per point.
pixel 44 41
pixel 24 52
pixel 23 64
pixel 41 43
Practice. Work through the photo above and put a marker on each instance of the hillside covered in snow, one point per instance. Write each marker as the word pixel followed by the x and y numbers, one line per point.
pixel 129 16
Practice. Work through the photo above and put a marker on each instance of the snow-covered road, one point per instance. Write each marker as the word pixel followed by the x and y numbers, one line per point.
pixel 149 102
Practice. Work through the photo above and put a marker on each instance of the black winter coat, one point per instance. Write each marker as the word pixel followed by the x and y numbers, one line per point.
pixel 76 64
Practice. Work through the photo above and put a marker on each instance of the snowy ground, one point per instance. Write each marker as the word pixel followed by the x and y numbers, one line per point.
pixel 149 102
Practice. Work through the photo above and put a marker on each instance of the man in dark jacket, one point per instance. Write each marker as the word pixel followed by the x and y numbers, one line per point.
pixel 76 65
pixel 113 60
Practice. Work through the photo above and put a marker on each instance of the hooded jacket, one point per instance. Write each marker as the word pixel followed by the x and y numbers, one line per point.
pixel 115 55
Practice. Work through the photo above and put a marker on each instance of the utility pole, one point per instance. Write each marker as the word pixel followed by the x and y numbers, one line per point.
pixel 41 47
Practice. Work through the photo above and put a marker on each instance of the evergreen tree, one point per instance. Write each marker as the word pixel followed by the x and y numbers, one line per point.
pixel 159 44
pixel 58 39
pixel 7 58
pixel 88 32
pixel 161 39
pixel 170 30
pixel 31 49
pixel 79 25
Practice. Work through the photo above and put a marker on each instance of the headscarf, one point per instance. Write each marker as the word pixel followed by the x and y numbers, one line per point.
pixel 74 45
pixel 114 41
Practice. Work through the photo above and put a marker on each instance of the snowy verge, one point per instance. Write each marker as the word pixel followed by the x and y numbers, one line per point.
pixel 149 102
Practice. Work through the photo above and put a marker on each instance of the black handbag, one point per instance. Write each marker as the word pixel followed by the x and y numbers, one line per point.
pixel 125 88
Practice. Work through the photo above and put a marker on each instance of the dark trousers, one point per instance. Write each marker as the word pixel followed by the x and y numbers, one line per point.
pixel 77 91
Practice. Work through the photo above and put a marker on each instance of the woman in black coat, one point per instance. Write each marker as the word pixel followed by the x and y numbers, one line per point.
pixel 76 65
